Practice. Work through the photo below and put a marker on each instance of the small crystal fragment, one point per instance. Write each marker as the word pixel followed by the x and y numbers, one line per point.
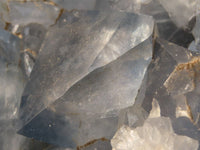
pixel 174 8
pixel 155 134
pixel 30 12
pixel 33 36
pixel 195 45
pixel 177 87
pixel 11 88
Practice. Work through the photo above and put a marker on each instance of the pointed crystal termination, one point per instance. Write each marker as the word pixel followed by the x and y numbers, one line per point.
pixel 85 40
pixel 173 81
pixel 174 8
pixel 89 110
pixel 155 134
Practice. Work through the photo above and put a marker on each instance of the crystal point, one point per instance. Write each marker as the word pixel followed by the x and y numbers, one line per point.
pixel 156 133
pixel 89 109
pixel 64 61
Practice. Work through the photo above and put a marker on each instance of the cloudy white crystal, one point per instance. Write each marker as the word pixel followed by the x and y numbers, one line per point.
pixel 155 134
pixel 180 11
pixel 11 88
pixel 31 12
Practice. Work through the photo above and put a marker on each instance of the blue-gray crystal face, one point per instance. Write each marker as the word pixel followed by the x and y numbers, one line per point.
pixel 99 74
pixel 11 88
pixel 85 76
pixel 90 40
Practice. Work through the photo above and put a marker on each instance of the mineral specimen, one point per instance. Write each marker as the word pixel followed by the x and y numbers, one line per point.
pixel 174 8
pixel 76 4
pixel 89 109
pixel 85 40
pixel 88 71
pixel 156 134
pixel 11 88
pixel 33 35
pixel 195 45
pixel 176 87
pixel 25 13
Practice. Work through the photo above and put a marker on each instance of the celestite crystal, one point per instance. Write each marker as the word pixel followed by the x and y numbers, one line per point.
pixel 175 10
pixel 155 134
pixel 30 12
pixel 76 52
pixel 166 27
pixel 176 87
pixel 91 73
pixel 33 36
pixel 89 109
pixel 11 88
pixel 76 4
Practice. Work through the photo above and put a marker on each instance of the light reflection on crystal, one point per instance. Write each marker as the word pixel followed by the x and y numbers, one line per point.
pixel 87 73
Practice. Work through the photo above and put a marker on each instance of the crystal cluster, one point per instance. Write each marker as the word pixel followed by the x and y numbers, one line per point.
pixel 156 134
pixel 99 74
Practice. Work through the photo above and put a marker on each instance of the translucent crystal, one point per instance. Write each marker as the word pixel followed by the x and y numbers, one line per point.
pixel 76 4
pixel 120 5
pixel 155 134
pixel 176 89
pixel 196 31
pixel 3 13
pixel 90 74
pixel 85 40
pixel 11 88
pixel 89 109
pixel 174 8
pixel 165 26
pixel 30 12
pixel 188 87
pixel 33 36
pixel 195 45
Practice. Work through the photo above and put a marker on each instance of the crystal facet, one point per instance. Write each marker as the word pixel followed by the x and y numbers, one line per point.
pixel 89 109
pixel 25 13
pixel 96 73
pixel 11 88
pixel 155 134
pixel 70 57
